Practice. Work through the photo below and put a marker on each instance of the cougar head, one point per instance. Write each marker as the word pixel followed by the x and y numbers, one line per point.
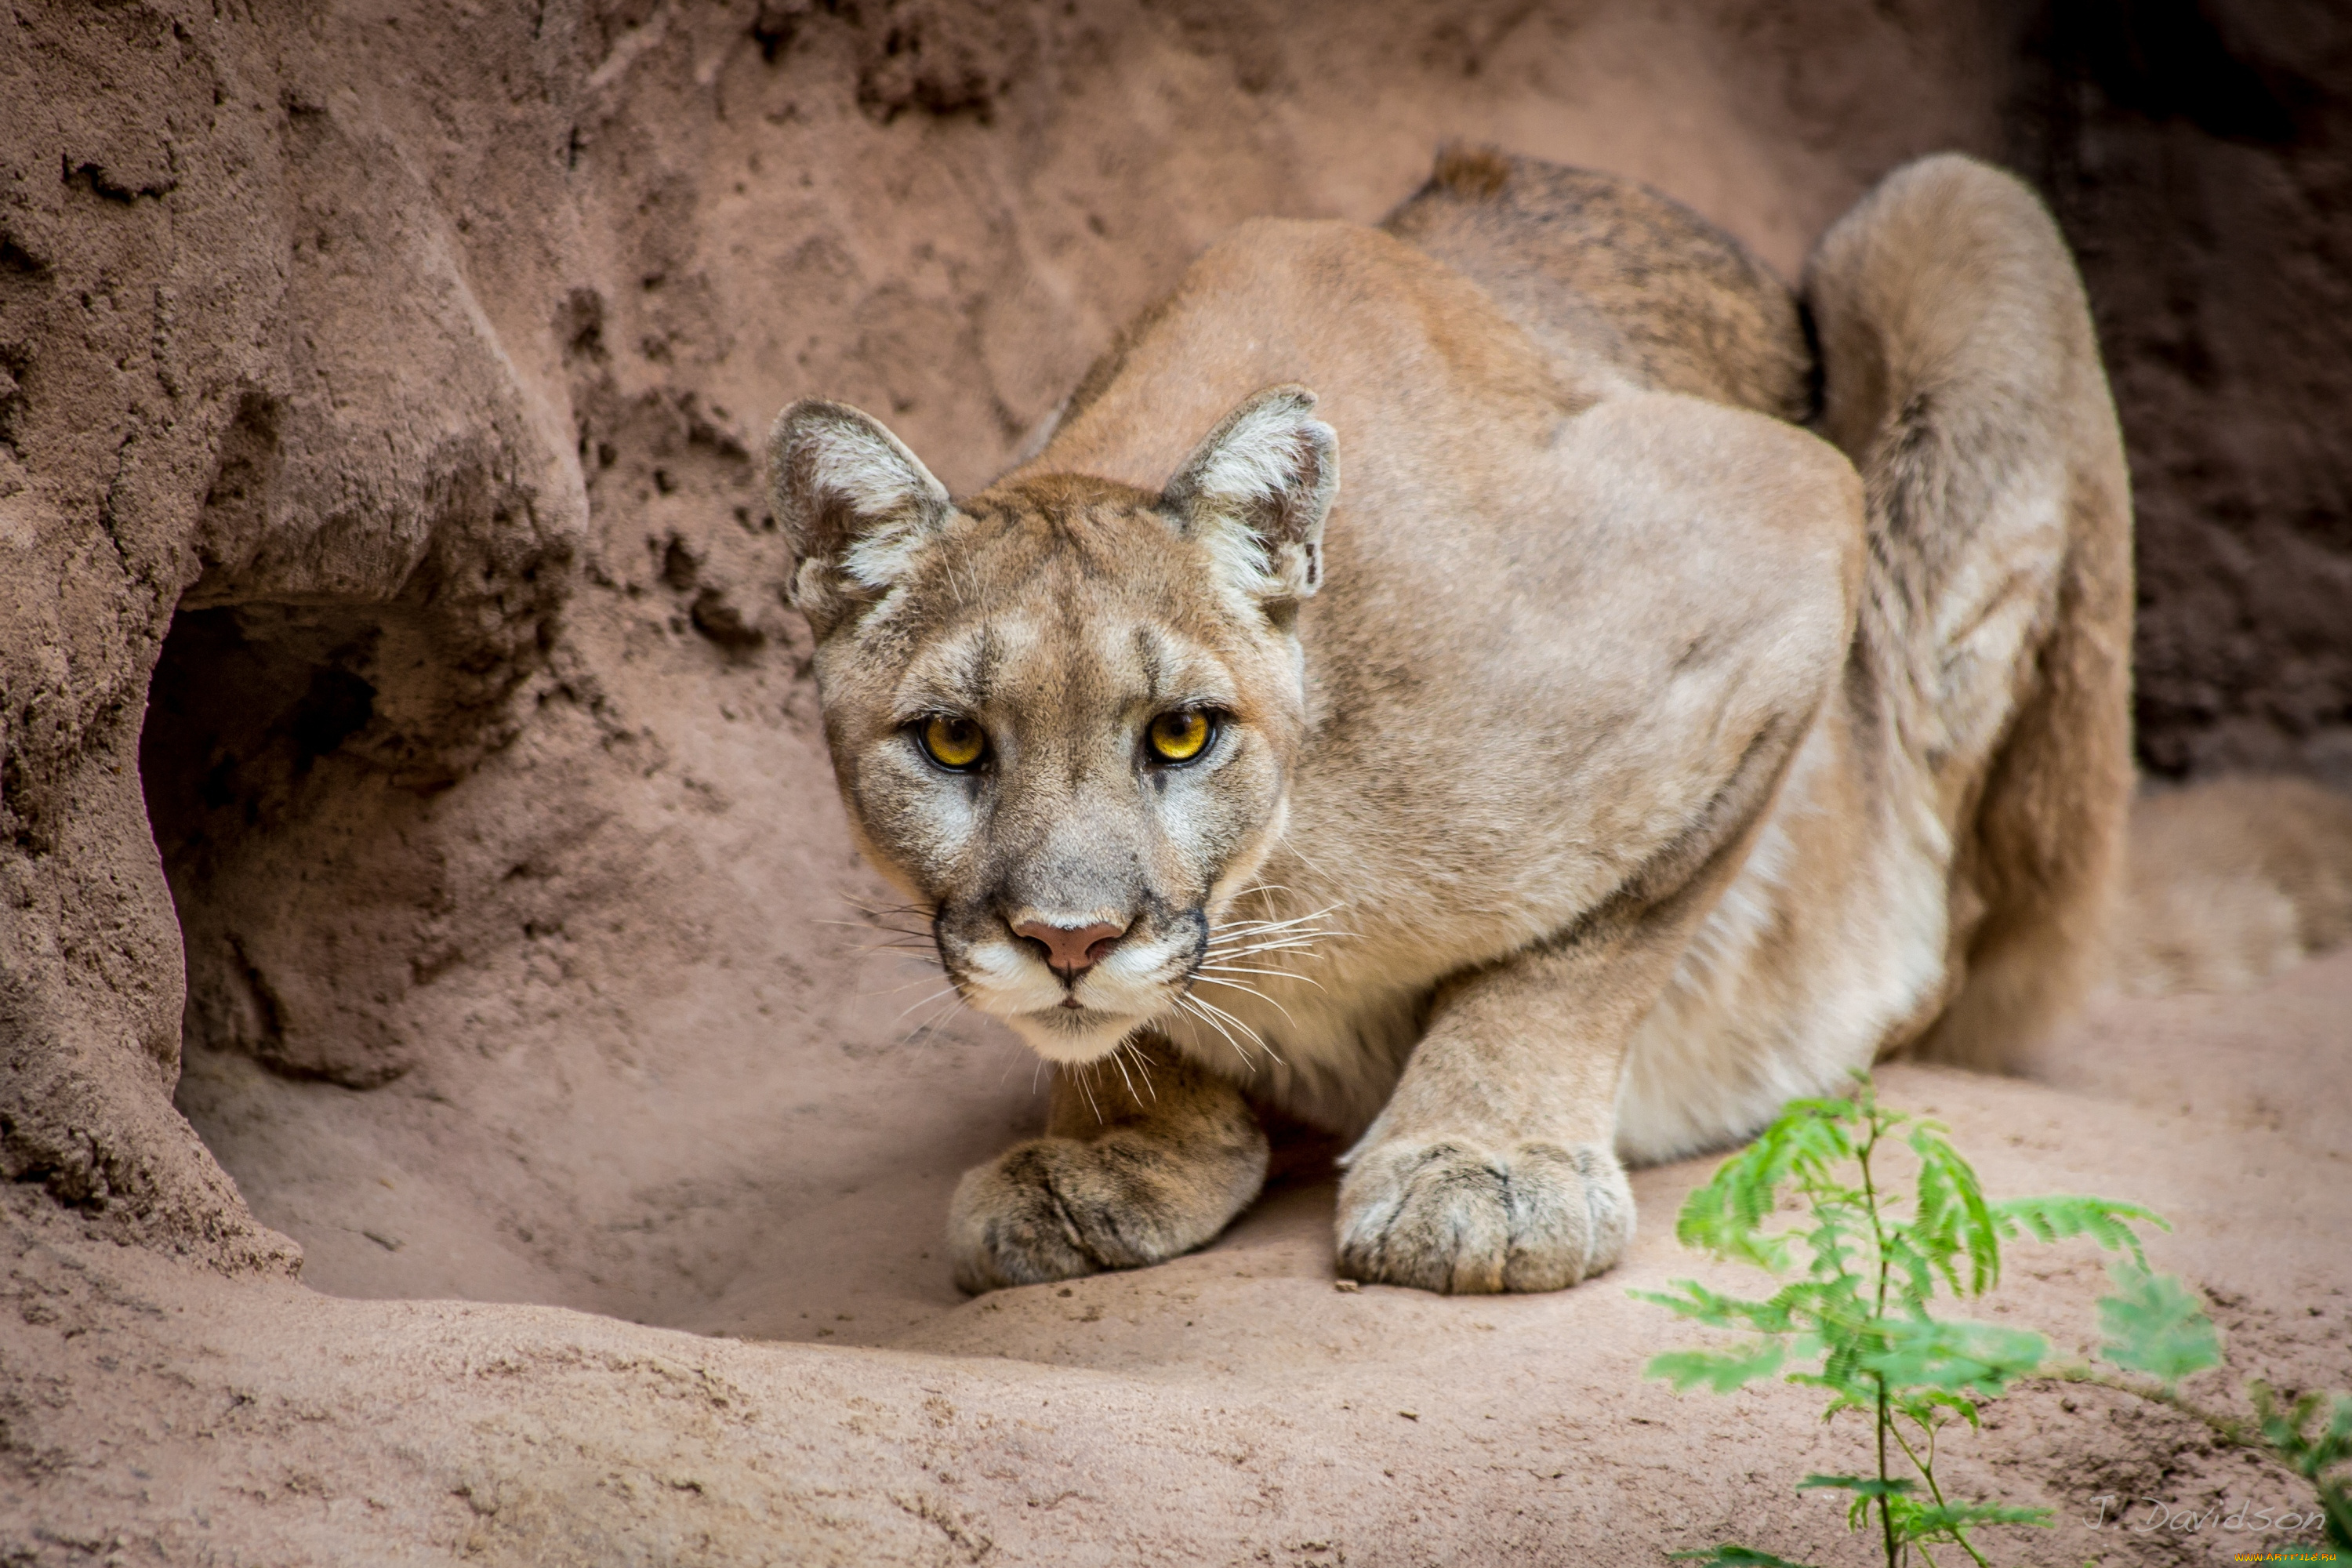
pixel 1063 713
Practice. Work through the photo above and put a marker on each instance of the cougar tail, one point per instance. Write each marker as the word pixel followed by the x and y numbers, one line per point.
pixel 2230 883
pixel 1961 375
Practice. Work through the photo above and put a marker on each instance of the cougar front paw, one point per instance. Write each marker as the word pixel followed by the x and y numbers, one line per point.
pixel 1056 1208
pixel 1450 1216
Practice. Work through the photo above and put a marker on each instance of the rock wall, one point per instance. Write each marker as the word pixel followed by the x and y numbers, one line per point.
pixel 378 384
pixel 2199 156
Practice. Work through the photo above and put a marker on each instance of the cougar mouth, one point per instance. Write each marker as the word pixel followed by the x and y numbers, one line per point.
pixel 1142 979
pixel 1174 977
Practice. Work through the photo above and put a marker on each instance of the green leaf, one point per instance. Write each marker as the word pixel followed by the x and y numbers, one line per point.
pixel 2307 1452
pixel 1954 1355
pixel 1856 1321
pixel 1924 1406
pixel 1916 1521
pixel 2055 1219
pixel 1863 1485
pixel 1725 1218
pixel 2310 1455
pixel 2154 1324
pixel 1866 1489
pixel 1696 1301
pixel 1952 1219
pixel 1721 1371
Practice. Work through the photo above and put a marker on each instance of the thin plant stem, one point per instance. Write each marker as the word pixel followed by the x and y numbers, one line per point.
pixel 1878 1237
pixel 1926 1468
pixel 2230 1429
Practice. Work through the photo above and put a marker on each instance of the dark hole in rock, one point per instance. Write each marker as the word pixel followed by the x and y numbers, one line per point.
pixel 715 617
pixel 236 721
pixel 259 788
pixel 680 568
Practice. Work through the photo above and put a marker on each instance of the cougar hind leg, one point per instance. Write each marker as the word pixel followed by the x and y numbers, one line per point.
pixel 1961 375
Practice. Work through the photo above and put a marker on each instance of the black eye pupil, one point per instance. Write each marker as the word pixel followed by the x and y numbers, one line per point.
pixel 954 742
pixel 1180 736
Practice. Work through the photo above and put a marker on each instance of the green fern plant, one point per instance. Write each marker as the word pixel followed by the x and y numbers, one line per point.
pixel 1863 1263
pixel 2314 1454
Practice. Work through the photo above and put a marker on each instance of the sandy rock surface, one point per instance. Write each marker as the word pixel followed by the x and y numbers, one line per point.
pixel 448 1045
pixel 1230 1407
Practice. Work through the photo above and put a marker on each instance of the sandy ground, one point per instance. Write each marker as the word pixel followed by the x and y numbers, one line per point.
pixel 1230 1406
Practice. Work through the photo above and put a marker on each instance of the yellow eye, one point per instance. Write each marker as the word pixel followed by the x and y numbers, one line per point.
pixel 954 742
pixel 1180 737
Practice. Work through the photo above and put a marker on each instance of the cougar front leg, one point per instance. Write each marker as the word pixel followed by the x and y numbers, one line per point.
pixel 1137 1165
pixel 1494 1165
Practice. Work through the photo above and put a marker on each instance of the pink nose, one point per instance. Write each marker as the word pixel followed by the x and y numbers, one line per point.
pixel 1071 949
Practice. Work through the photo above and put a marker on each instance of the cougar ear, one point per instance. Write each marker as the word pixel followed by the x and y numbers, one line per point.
pixel 1256 490
pixel 853 502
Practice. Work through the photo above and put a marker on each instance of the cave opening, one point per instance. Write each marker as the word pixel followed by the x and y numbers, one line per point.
pixel 255 716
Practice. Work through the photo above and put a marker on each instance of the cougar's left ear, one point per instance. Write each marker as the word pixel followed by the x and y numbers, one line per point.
pixel 1256 490
pixel 853 502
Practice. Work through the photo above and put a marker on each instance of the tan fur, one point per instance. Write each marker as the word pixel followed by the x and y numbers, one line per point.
pixel 1610 762
pixel 1136 1164
pixel 1604 271
pixel 1964 380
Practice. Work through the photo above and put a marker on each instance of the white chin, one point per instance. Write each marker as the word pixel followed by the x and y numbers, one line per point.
pixel 1073 1036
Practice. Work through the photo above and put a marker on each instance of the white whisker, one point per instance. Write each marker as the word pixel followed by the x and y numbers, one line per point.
pixel 1305 930
pixel 1142 1064
pixel 935 1022
pixel 1233 933
pixel 1118 1060
pixel 1244 969
pixel 923 1001
pixel 1248 990
pixel 1264 891
pixel 1253 938
pixel 1289 844
pixel 1191 1005
pixel 1240 1024
pixel 877 911
pixel 893 990
pixel 1256 950
pixel 1280 925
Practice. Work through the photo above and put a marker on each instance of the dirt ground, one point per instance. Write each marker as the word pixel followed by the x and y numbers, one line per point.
pixel 1233 1406
pixel 448 1101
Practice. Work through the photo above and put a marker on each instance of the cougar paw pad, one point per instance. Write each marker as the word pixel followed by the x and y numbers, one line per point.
pixel 1450 1216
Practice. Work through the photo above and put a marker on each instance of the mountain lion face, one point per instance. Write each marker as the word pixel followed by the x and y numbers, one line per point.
pixel 1063 713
